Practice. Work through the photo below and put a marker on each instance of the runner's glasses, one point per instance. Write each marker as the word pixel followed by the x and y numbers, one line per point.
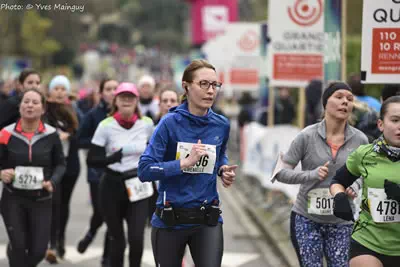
pixel 204 84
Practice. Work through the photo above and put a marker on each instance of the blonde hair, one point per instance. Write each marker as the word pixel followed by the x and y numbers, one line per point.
pixel 188 74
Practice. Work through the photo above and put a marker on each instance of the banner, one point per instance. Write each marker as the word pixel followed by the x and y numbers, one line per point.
pixel 262 148
pixel 210 18
pixel 237 56
pixel 296 52
pixel 333 40
pixel 380 57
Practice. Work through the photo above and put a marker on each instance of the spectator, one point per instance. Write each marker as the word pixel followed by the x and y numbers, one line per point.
pixel 313 102
pixel 247 109
pixel 284 107
pixel 390 90
pixel 359 91
pixel 148 105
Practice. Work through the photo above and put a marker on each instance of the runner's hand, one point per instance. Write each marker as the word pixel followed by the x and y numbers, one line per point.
pixel 198 150
pixel 48 186
pixel 351 192
pixel 7 175
pixel 228 174
pixel 392 190
pixel 115 157
pixel 323 171
pixel 342 208
pixel 63 135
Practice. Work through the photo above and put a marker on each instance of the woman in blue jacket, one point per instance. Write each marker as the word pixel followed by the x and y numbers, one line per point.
pixel 185 153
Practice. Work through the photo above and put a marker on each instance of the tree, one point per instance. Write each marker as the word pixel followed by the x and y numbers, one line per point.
pixel 34 34
pixel 158 22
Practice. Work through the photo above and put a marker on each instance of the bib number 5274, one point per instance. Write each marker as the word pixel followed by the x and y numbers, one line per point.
pixel 27 179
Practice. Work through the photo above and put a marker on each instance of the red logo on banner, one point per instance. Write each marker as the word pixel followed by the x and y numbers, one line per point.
pixel 305 14
pixel 249 41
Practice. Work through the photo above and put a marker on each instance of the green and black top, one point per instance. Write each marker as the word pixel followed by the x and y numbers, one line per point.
pixel 378 226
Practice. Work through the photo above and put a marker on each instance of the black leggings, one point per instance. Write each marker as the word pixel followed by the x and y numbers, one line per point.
pixel 61 201
pixel 96 221
pixel 152 202
pixel 115 207
pixel 356 249
pixel 206 245
pixel 55 218
pixel 28 227
pixel 67 186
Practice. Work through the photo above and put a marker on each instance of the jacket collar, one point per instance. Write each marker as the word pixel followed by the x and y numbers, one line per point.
pixel 348 130
pixel 41 129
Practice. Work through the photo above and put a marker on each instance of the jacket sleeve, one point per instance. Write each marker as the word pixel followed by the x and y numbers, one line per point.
pixel 4 136
pixel 344 177
pixel 2 155
pixel 86 131
pixel 97 157
pixel 294 155
pixel 350 172
pixel 59 164
pixel 9 112
pixel 152 166
pixel 223 157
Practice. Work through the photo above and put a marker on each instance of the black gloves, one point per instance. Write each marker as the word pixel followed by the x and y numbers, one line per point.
pixel 392 190
pixel 115 157
pixel 342 208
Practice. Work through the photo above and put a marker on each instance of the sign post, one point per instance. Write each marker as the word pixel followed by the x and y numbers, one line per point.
pixel 334 30
pixel 380 56
pixel 344 40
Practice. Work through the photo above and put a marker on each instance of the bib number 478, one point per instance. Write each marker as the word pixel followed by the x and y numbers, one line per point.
pixel 388 208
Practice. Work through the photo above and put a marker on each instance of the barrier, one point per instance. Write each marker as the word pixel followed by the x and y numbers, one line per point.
pixel 261 149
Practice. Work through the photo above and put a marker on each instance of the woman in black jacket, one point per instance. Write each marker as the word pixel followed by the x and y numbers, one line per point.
pixel 32 165
pixel 63 117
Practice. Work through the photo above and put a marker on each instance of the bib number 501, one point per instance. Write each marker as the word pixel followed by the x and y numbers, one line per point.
pixel 323 203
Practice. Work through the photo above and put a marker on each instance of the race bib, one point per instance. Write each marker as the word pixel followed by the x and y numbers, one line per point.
pixel 382 209
pixel 138 190
pixel 28 178
pixel 206 163
pixel 320 202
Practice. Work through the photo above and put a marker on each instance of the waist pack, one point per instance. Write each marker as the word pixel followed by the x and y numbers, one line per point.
pixel 207 215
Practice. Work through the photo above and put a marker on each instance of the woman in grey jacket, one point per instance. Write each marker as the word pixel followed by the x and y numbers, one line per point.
pixel 322 148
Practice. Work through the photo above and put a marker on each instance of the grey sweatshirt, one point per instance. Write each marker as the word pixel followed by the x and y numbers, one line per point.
pixel 310 147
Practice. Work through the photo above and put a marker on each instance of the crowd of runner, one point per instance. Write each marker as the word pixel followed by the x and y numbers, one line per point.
pixel 158 156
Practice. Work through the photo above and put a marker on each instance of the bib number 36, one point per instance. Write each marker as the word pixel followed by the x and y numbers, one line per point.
pixel 205 164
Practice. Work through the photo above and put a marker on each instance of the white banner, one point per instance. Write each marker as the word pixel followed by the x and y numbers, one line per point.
pixel 380 57
pixel 238 53
pixel 262 147
pixel 296 51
